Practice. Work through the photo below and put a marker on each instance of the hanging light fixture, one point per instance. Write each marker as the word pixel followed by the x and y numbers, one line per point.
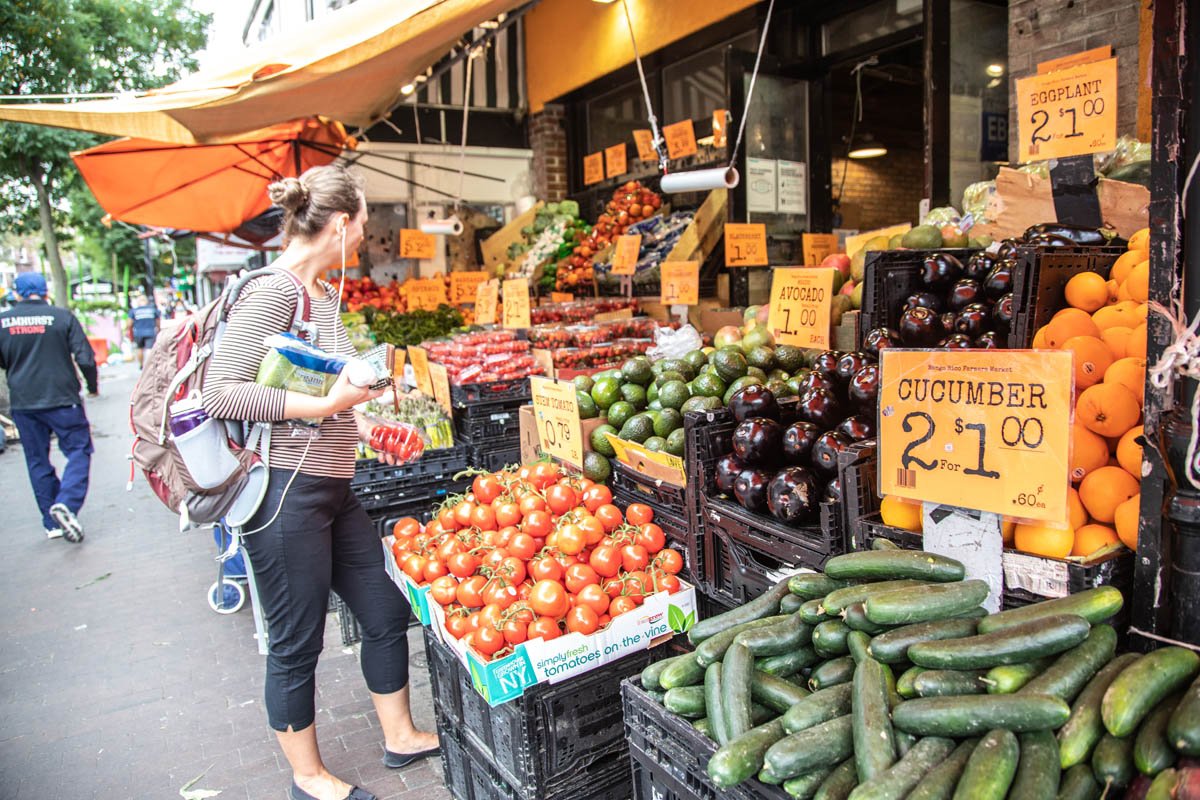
pixel 867 147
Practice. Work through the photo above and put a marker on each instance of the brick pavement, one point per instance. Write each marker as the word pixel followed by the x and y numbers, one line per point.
pixel 118 682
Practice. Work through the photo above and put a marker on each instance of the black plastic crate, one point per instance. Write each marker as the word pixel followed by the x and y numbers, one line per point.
pixel 890 276
pixel 669 758
pixel 421 508
pixel 378 485
pixel 514 391
pixel 675 524
pixel 487 422
pixel 665 495
pixel 493 458
pixel 1040 280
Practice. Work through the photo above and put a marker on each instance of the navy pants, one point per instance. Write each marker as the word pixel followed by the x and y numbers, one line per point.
pixel 70 425
pixel 321 539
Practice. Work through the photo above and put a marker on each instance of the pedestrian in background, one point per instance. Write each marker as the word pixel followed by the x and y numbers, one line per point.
pixel 37 344
pixel 144 324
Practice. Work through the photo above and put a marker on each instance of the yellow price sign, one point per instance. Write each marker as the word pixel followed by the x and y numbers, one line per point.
pixel 556 412
pixel 625 257
pixel 801 301
pixel 645 145
pixel 398 362
pixel 414 244
pixel 681 139
pixel 1068 112
pixel 463 286
pixel 441 386
pixel 680 283
pixel 562 297
pixel 487 296
pixel 420 365
pixel 425 293
pixel 614 160
pixel 817 246
pixel 986 430
pixel 593 168
pixel 516 303
pixel 745 244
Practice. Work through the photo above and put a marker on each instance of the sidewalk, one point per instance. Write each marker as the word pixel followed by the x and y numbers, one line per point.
pixel 118 681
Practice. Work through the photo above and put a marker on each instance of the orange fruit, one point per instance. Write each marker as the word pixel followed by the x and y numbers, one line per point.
pixel 1123 265
pixel 1105 489
pixel 1142 310
pixel 1077 515
pixel 1136 346
pixel 1126 521
pixel 1120 314
pixel 1140 240
pixel 1068 323
pixel 1108 409
pixel 1131 373
pixel 1091 538
pixel 901 513
pixel 1087 291
pixel 1039 339
pixel 1113 289
pixel 1042 540
pixel 1092 359
pixel 1138 282
pixel 1123 294
pixel 1088 452
pixel 1117 340
pixel 1129 452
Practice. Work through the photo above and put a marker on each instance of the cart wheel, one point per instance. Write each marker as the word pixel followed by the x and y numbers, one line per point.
pixel 227 597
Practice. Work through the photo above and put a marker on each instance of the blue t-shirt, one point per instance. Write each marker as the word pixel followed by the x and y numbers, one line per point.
pixel 144 318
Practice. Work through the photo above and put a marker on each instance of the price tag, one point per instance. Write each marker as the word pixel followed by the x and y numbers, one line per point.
pixel 557 414
pixel 645 145
pixel 398 361
pixel 420 365
pixel 441 386
pixel 1069 112
pixel 562 297
pixel 516 303
pixel 680 283
pixel 801 300
pixel 425 293
pixel 614 160
pixel 681 139
pixel 593 168
pixel 985 430
pixel 745 245
pixel 817 246
pixel 464 285
pixel 486 298
pixel 414 244
pixel 720 121
pixel 625 258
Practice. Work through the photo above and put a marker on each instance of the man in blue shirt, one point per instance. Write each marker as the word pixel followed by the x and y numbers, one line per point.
pixel 144 325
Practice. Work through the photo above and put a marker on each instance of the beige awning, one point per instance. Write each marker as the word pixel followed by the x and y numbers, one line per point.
pixel 349 67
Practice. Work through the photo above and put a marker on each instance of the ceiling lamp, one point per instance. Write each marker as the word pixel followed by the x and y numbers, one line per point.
pixel 867 147
pixel 994 70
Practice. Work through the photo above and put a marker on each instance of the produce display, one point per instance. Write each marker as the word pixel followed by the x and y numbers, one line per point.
pixel 581 310
pixel 631 203
pixel 399 440
pixel 531 553
pixel 555 232
pixel 405 328
pixel 418 411
pixel 659 236
pixel 483 356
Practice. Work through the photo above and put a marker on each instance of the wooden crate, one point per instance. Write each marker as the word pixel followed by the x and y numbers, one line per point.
pixel 495 247
pixel 1022 200
pixel 701 235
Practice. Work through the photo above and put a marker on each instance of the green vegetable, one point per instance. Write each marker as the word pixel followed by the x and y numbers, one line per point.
pixel 788 664
pixel 837 601
pixel 803 787
pixel 948 683
pixel 891 647
pixel 925 603
pixel 896 782
pixel 939 782
pixel 1152 750
pixel 773 640
pixel 651 673
pixel 685 671
pixel 1008 678
pixel 829 638
pixel 1094 605
pixel 764 606
pixel 831 673
pixel 686 701
pixel 968 715
pixel 742 757
pixel 713 690
pixel 819 707
pixel 1112 760
pixel 1067 676
pixel 1024 642
pixel 1184 727
pixel 1085 727
pixel 1143 684
pixel 736 675
pixel 880 565
pixel 811 748
pixel 990 769
pixel 1078 783
pixel 814 585
pixel 840 782
pixel 775 692
pixel 1039 772
pixel 713 648
pixel 874 741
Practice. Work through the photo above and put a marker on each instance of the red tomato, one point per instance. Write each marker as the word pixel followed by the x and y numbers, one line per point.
pixel 544 628
pixel 515 631
pixel 406 526
pixel 544 474
pixel 537 523
pixel 593 530
pixel 449 546
pixel 443 589
pixel 447 521
pixel 582 619
pixel 651 537
pixel 486 488
pixel 500 594
pixel 606 561
pixel 483 517
pixel 530 503
pixel 522 546
pixel 570 539
pixel 669 561
pixel 594 598
pixel 634 557
pixel 504 536
pixel 414 567
pixel 545 568
pixel 463 511
pixel 487 640
pixel 549 599
pixel 434 568
pixel 561 498
pixel 456 625
pixel 596 496
pixel 668 583
pixel 508 514
pixel 578 576
pixel 512 570
pixel 610 517
pixel 494 559
pixel 462 565
pixel 470 591
pixel 639 514
pixel 621 605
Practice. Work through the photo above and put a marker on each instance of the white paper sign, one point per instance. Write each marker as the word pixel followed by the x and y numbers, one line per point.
pixel 972 537
pixel 761 184
pixel 792 187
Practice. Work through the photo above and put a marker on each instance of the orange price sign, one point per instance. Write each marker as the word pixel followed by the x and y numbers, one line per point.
pixel 680 283
pixel 516 303
pixel 420 364
pixel 625 257
pixel 681 139
pixel 986 430
pixel 645 145
pixel 801 301
pixel 487 297
pixel 593 168
pixel 614 160
pixel 745 245
pixel 1068 112
pixel 1075 59
pixel 398 362
pixel 562 297
pixel 720 122
pixel 463 286
pixel 425 293
pixel 817 246
pixel 556 413
pixel 441 386
pixel 414 244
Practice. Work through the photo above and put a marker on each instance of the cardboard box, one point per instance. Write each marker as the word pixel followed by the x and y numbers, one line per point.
pixel 661 467
pixel 418 596
pixel 713 319
pixel 531 449
pixel 495 247
pixel 845 336
pixel 1022 200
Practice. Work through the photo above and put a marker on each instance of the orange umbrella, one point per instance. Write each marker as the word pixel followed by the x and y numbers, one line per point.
pixel 199 187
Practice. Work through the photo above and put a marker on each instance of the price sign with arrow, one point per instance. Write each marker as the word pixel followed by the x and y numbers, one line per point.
pixel 556 413
pixel 985 430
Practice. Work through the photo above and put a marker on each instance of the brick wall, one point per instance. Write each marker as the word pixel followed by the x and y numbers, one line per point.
pixel 880 191
pixel 548 140
pixel 1039 30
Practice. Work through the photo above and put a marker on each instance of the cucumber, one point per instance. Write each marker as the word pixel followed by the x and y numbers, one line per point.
pixel 859 645
pixel 1183 729
pixel 829 638
pixel 1112 761
pixel 713 690
pixel 818 707
pixel 1024 642
pixel 880 543
pixel 764 606
pixel 855 616
pixel 836 601
pixel 814 585
pixel 939 782
pixel 1143 685
pixel 948 683
pixel 803 787
pixel 881 565
pixel 926 603
pixel 1008 678
pixel 767 776
pixel 905 742
pixel 685 701
pixel 683 672
pixel 1078 783
pixel 742 757
pixel 1067 676
pixel 811 748
pixel 1152 750
pixel 874 740
pixel 840 782
pixel 790 604
pixel 990 769
pixel 1094 605
pixel 704 727
pixel 831 673
pixel 775 693
pixel 892 646
pixel 1038 772
pixel 737 671
pixel 651 673
pixel 896 782
pixel 774 640
pixel 656 695
pixel 813 612
pixel 713 648
pixel 1085 727
pixel 788 664
pixel 905 683
pixel 1163 787
pixel 973 714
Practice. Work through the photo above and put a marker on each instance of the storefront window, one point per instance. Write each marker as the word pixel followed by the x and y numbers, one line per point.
pixel 978 93
pixel 612 116
pixel 870 23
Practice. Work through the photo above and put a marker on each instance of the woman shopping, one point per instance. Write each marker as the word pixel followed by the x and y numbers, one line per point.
pixel 310 533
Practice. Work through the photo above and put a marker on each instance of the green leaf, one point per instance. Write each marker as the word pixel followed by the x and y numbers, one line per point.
pixel 690 621
pixel 676 619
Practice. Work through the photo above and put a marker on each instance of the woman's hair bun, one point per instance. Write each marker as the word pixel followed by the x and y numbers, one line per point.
pixel 289 194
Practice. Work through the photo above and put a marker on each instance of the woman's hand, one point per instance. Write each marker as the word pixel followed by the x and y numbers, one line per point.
pixel 344 394
pixel 364 434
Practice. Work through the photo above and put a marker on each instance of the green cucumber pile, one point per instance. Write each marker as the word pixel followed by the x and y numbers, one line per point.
pixel 883 679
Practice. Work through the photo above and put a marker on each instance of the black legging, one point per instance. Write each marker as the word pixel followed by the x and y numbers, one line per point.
pixel 322 538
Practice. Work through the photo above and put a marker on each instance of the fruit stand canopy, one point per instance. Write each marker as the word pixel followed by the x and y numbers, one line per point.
pixel 348 68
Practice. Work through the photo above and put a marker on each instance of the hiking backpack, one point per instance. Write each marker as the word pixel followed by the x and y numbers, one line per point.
pixel 174 369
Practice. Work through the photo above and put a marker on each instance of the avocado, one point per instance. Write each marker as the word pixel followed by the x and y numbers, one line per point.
pixel 730 366
pixel 701 403
pixel 600 442
pixel 922 237
pixel 638 428
pixel 738 385
pixel 637 370
pixel 668 421
pixel 673 394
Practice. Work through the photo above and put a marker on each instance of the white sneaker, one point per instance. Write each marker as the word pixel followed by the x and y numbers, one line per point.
pixel 72 531
pixel 54 533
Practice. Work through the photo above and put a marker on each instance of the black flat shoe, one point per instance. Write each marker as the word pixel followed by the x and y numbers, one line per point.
pixel 296 793
pixel 397 760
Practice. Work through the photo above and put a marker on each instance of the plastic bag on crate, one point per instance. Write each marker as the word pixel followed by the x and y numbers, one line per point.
pixel 675 343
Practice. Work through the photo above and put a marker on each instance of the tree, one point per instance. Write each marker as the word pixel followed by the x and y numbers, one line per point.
pixel 78 47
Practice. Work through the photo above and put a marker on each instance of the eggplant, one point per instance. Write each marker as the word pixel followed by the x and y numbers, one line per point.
pixel 851 363
pixel 756 441
pixel 798 439
pixel 1074 234
pixel 920 327
pixel 864 388
pixel 826 363
pixel 878 339
pixel 793 495
pixel 754 401
pixel 826 450
pixel 727 469
pixel 833 492
pixel 750 489
pixel 822 408
pixel 940 270
pixel 857 427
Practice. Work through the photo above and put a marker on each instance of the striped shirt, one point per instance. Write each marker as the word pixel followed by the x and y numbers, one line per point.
pixel 266 307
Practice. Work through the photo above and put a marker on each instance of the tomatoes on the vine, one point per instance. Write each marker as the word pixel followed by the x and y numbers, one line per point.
pixel 582 619
pixel 486 488
pixel 549 599
pixel 578 576
pixel 634 557
pixel 596 496
pixel 470 591
pixel 670 561
pixel 639 514
pixel 561 498
pixel 606 560
pixel 651 537
pixel 544 628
